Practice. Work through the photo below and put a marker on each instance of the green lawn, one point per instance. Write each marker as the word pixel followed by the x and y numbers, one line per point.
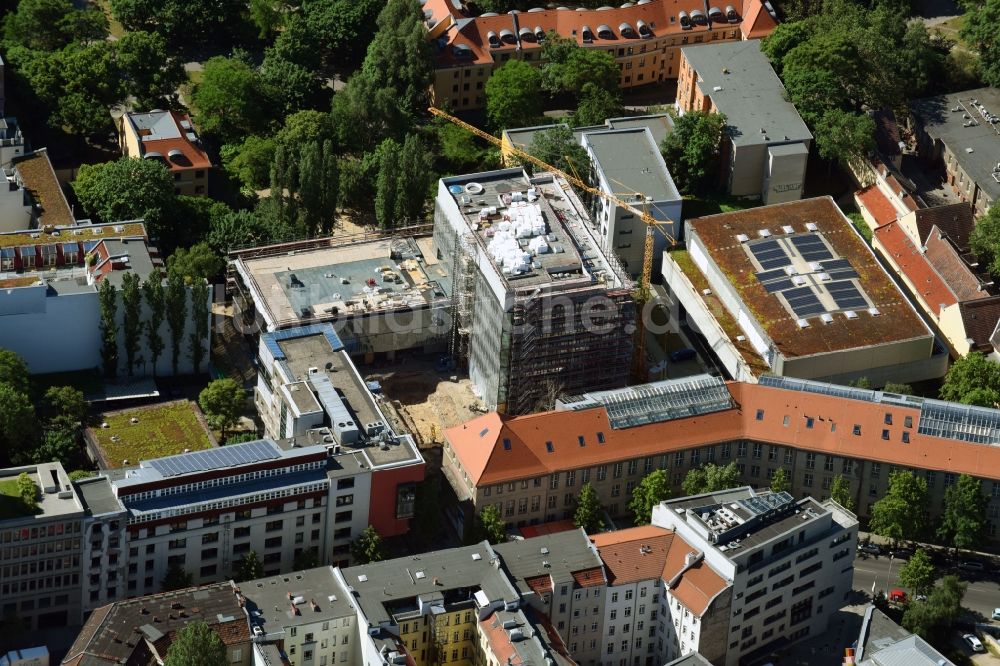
pixel 11 505
pixel 163 430
pixel 115 27
pixel 712 205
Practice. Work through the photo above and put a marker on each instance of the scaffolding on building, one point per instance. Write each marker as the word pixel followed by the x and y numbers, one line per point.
pixel 463 295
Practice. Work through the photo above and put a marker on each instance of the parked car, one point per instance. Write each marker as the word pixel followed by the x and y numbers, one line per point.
pixel 902 553
pixel 996 613
pixel 974 643
pixel 870 548
pixel 897 596
pixel 682 355
pixel 973 566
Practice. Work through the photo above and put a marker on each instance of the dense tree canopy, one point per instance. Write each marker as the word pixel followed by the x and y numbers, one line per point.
pixel 569 67
pixel 127 189
pixel 197 644
pixel 183 23
pixel 980 30
pixel 597 105
pixel 985 240
pixel 589 513
pixel 710 478
pixel 232 100
pixel 399 57
pixel 223 402
pixel 918 574
pixel 931 619
pixel 49 25
pixel 513 95
pixel 973 380
pixel 653 489
pixel 963 523
pixel 902 513
pixel 557 146
pixel 691 150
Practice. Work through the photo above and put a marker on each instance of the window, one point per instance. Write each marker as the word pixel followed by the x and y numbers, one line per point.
pixel 888 418
pixel 554 481
pixel 885 434
pixel 876 470
pixel 907 421
pixel 906 437
pixel 807 480
pixel 828 463
pixel 810 461
pixel 857 430
pixel 760 414
pixel 810 422
pixel 617 472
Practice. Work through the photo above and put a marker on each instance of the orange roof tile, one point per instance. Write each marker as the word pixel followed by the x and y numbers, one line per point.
pixel 539 584
pixel 531 531
pixel 946 260
pixel 634 554
pixel 877 204
pixel 589 577
pixel 933 292
pixel 698 585
pixel 531 432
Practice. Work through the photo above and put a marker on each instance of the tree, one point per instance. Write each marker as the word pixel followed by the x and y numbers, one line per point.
pixel 653 489
pixel 199 312
pixel 197 645
pixel 293 86
pixel 963 523
pixel 129 188
pixel 710 478
pixel 266 15
pixel 570 68
pixel 223 402
pixel 972 380
pixel 785 37
pixel 918 574
pixel 49 25
pixel 557 146
pixel 364 114
pixel 17 424
pixel 131 319
pixel 175 308
pixel 514 95
pixel 985 240
pixel 931 619
pixel 488 526
pixel 459 148
pixel 597 105
pixel 108 302
pixel 27 490
pixel 691 150
pixel 246 229
pixel 589 512
pixel 175 579
pixel 400 57
pixel 67 405
pixel 367 547
pixel 153 294
pixel 248 567
pixel 845 137
pixel 182 23
pixel 302 128
pixel 923 61
pixel 149 72
pixel 840 492
pixel 780 482
pixel 231 100
pixel 900 514
pixel 387 184
pixel 197 263
pixel 979 31
pixel 57 444
pixel 249 162
pixel 898 388
pixel 318 186
pixel 340 29
pixel 14 371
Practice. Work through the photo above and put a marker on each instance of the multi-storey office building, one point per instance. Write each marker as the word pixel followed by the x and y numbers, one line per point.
pixel 531 467
pixel 41 550
pixel 644 39
pixel 536 299
pixel 789 564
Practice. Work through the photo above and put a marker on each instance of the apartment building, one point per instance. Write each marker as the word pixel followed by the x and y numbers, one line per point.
pixel 793 290
pixel 41 550
pixel 169 138
pixel 561 578
pixel 961 131
pixel 141 630
pixel 104 564
pixel 531 467
pixel 790 565
pixel 527 269
pixel 644 39
pixel 765 145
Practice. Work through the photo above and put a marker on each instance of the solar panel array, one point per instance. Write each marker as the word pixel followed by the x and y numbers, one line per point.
pixel 803 299
pixel 226 456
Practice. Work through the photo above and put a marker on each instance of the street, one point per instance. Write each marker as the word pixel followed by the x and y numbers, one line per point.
pixel 982 595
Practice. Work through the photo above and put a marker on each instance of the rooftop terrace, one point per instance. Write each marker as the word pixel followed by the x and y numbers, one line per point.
pixel 805 275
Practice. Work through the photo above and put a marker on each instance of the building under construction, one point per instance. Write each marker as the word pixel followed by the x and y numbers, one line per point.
pixel 538 308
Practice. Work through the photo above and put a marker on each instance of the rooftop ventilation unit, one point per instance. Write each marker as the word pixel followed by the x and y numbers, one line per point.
pixel 791 270
pixel 850 314
pixel 826 318
pixel 802 323
pixel 764 233
pixel 798 280
pixel 811 226
pixel 874 312
pixel 824 277
pixel 742 238
pixel 788 229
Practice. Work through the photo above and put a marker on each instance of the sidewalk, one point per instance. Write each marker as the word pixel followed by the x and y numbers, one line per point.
pixel 946 550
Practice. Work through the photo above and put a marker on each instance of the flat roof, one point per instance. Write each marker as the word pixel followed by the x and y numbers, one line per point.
pixel 317 595
pixel 57 497
pixel 98 496
pixel 743 86
pixel 353 278
pixel 391 588
pixel 571 257
pixel 39 178
pixel 629 158
pixel 856 282
pixel 962 122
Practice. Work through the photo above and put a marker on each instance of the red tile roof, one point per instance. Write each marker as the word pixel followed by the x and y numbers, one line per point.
pixel 530 531
pixel 955 221
pixel 877 205
pixel 589 577
pixel 944 257
pixel 698 584
pixel 635 554
pixel 778 406
pixel 455 28
pixel 930 287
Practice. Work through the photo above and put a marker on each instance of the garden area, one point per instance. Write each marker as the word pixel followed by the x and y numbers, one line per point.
pixel 149 432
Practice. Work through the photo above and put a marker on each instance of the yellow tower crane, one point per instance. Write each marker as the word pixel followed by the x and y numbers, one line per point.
pixel 639 372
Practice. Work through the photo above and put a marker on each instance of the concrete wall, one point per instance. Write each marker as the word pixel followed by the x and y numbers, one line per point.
pixel 54 333
pixel 15 213
pixel 869 361
pixel 784 173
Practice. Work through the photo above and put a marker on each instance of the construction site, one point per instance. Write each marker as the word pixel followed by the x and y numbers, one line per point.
pixel 534 297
